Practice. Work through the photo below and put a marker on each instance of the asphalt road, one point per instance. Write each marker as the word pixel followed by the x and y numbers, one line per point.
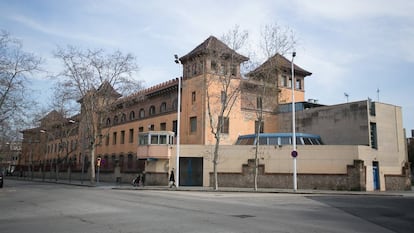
pixel 40 207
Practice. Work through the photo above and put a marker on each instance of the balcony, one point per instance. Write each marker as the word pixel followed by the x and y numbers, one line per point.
pixel 155 145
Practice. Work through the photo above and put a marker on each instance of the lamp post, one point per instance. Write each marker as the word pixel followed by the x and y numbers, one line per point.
pixel 294 152
pixel 177 170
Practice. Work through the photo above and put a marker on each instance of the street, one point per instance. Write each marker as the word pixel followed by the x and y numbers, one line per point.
pixel 45 207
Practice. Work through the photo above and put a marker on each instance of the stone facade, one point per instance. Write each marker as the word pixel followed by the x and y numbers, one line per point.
pixel 352 180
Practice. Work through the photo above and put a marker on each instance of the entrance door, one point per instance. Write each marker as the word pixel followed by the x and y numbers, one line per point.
pixel 191 171
pixel 375 171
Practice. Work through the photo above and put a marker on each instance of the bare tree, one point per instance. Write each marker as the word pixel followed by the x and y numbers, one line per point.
pixel 95 78
pixel 15 67
pixel 275 42
pixel 223 89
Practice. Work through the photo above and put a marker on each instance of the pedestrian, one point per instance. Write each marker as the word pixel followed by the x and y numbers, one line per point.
pixel 172 179
pixel 135 182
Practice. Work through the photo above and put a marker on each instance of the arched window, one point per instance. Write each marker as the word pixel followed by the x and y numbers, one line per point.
pixel 115 120
pixel 123 117
pixel 152 110
pixel 141 113
pixel 108 121
pixel 131 115
pixel 163 107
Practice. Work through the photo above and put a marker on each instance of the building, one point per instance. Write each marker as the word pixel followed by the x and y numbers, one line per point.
pixel 9 156
pixel 365 140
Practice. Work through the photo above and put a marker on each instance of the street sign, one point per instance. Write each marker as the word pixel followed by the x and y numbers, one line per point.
pixel 294 154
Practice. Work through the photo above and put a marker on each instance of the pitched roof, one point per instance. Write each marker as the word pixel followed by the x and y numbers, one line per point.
pixel 281 62
pixel 105 89
pixel 212 45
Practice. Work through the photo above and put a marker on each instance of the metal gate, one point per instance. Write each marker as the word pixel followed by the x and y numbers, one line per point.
pixel 191 171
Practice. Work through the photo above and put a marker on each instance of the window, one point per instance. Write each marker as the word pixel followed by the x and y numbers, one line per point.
pixel 163 107
pixel 152 110
pixel 141 113
pixel 223 69
pixel 213 66
pixel 141 129
pixel 193 97
pixel 108 121
pixel 193 124
pixel 154 139
pixel 298 84
pixel 122 137
pixel 283 81
pixel 143 139
pixel 115 119
pixel 289 84
pixel 163 126
pixel 371 107
pixel 151 127
pixel 262 140
pixel 174 127
pixel 224 121
pixel 259 102
pixel 114 138
pixel 131 115
pixel 131 135
pixel 373 127
pixel 256 127
pixel 163 139
pixel 123 117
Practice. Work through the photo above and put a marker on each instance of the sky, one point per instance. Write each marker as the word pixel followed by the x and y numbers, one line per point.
pixel 362 48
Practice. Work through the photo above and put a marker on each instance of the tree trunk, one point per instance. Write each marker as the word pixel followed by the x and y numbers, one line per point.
pixel 215 162
pixel 93 164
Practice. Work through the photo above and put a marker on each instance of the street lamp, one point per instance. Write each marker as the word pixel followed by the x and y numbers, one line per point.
pixel 177 170
pixel 294 152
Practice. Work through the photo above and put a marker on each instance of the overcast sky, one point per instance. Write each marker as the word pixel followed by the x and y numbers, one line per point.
pixel 350 46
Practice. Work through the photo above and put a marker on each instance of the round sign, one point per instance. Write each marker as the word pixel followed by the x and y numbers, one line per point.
pixel 294 154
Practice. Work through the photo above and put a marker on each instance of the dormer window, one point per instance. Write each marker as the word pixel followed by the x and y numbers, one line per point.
pixel 214 66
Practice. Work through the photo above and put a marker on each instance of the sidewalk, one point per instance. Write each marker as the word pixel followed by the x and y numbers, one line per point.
pixel 126 186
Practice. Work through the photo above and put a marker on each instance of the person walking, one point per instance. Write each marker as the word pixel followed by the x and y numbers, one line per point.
pixel 143 179
pixel 172 179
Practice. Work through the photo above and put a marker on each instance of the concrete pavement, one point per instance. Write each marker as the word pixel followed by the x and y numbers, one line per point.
pixel 126 186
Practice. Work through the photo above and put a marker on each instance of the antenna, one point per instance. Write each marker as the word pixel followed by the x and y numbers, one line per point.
pixel 346 96
pixel 378 92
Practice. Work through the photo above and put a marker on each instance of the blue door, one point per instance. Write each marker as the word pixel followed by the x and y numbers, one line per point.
pixel 375 171
pixel 191 171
